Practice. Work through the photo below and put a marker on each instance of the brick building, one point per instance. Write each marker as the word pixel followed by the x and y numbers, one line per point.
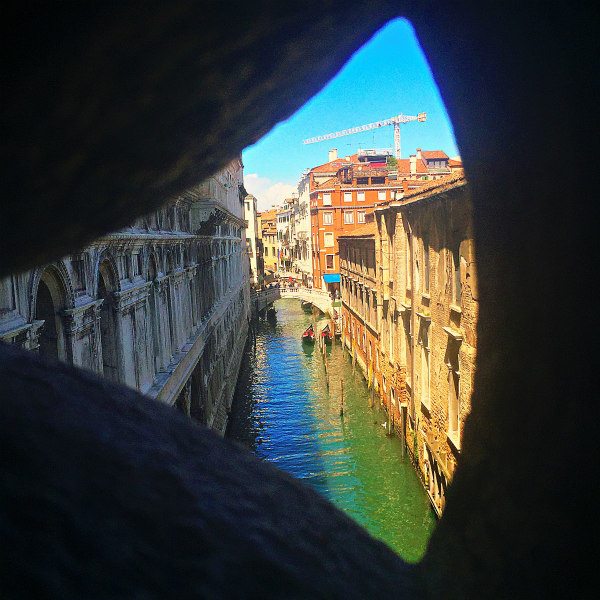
pixel 422 316
pixel 360 324
pixel 344 191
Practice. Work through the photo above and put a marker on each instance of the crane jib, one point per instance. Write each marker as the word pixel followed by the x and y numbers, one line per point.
pixel 396 121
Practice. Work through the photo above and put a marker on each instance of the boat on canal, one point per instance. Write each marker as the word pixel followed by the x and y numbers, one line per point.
pixel 326 334
pixel 309 335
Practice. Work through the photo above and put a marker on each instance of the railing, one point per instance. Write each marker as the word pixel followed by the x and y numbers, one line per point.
pixel 319 298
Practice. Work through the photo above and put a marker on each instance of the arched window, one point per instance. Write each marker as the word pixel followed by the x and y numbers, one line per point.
pixel 108 328
pixel 50 300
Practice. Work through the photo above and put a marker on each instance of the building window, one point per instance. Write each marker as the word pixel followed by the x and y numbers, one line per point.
pixel 453 391
pixel 408 340
pixel 327 218
pixel 326 199
pixel 456 287
pixel 328 240
pixel 348 217
pixel 391 339
pixel 329 261
pixel 425 371
pixel 136 264
pixel 347 196
pixel 408 263
pixel 360 216
pixel 381 195
pixel 426 264
pixel 360 196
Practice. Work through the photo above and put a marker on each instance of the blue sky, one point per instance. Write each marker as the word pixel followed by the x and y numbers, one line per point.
pixel 389 75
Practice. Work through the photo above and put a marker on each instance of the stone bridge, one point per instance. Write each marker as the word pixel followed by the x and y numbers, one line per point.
pixel 264 298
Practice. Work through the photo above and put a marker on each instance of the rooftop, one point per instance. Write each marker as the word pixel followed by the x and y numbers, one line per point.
pixel 366 230
pixel 431 187
pixel 434 154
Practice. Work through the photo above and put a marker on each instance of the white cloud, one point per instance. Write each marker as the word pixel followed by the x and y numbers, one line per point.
pixel 269 193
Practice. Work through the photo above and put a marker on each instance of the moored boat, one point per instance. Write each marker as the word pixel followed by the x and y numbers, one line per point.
pixel 309 334
pixel 326 334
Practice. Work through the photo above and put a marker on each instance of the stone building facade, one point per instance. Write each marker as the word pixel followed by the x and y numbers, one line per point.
pixel 426 314
pixel 252 238
pixel 161 306
pixel 360 324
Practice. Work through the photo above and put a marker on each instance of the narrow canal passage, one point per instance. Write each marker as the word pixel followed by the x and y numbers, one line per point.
pixel 285 413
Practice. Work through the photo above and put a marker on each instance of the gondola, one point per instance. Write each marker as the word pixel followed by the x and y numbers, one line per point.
pixel 309 335
pixel 326 334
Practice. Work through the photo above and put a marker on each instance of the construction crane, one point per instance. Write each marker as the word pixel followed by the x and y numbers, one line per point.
pixel 395 121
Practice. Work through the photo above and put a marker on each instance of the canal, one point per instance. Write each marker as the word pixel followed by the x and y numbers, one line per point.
pixel 285 413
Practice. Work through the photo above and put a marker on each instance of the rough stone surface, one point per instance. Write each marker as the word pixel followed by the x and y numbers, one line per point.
pixel 120 109
pixel 167 509
pixel 520 84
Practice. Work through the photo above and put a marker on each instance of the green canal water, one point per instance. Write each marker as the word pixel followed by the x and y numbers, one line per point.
pixel 285 413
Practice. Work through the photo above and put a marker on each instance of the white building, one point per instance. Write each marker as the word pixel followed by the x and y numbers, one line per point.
pixel 302 246
pixel 250 213
pixel 284 259
pixel 161 306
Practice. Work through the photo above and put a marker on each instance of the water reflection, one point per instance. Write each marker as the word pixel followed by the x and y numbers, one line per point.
pixel 285 412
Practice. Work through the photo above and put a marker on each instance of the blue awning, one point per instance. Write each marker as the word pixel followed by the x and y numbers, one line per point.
pixel 332 278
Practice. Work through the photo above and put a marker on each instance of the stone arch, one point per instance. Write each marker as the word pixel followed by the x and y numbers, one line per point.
pixel 108 284
pixel 52 293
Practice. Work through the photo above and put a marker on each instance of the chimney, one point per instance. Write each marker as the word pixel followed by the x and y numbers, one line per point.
pixel 413 164
pixel 419 155
pixel 404 186
pixel 332 154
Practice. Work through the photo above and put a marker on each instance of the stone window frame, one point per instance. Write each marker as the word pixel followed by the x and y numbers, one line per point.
pixel 424 337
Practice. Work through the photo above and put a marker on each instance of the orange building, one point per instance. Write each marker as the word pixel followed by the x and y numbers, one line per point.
pixel 344 191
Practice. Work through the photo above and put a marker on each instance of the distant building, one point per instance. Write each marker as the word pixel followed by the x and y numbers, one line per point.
pixel 268 229
pixel 344 191
pixel 254 251
pixel 284 218
pixel 301 239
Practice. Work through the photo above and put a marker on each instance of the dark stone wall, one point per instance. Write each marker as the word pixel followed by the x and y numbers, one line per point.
pixel 107 112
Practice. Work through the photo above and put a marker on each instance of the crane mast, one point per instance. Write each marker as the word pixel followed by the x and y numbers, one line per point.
pixel 395 121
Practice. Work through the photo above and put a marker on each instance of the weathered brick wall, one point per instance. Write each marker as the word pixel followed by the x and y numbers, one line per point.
pixel 429 321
